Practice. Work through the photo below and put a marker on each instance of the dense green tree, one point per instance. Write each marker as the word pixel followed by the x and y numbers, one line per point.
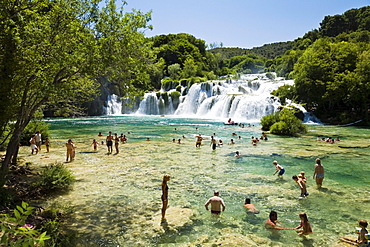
pixel 330 76
pixel 52 50
pixel 331 26
pixel 285 64
pixel 190 68
pixel 268 51
pixel 174 71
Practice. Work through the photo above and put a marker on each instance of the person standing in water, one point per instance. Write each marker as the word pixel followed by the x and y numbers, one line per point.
pixel 109 141
pixel 279 169
pixel 95 144
pixel 116 142
pixel 318 173
pixel 70 149
pixel 166 178
pixel 213 143
pixel 199 141
pixel 216 203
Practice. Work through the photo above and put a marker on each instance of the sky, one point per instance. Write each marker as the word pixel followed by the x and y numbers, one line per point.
pixel 240 23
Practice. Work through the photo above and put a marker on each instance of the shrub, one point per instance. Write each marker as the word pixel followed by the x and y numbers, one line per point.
pixel 283 123
pixel 15 231
pixel 55 177
pixel 269 120
pixel 280 128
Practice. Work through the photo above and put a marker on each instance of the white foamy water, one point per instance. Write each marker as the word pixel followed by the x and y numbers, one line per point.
pixel 246 99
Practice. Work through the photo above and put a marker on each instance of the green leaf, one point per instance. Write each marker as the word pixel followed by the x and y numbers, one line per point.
pixel 20 209
pixel 17 214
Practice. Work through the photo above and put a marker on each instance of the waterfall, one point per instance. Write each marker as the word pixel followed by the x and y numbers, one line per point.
pixel 241 99
pixel 114 105
pixel 246 99
pixel 150 105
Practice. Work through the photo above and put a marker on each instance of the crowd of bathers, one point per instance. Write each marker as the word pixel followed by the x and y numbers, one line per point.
pixel 328 139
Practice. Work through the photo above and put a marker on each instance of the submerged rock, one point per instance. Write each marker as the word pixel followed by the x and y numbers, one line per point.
pixel 176 218
pixel 230 239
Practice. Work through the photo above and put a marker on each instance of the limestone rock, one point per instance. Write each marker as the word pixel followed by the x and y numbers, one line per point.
pixel 176 218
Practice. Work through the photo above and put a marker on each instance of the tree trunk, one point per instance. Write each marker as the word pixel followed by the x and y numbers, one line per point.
pixel 10 151
pixel 13 145
pixel 15 155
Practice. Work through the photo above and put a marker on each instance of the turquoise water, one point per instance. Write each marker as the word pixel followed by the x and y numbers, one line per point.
pixel 116 199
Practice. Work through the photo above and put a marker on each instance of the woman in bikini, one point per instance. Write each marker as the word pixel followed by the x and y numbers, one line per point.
pixel 305 225
pixel 166 178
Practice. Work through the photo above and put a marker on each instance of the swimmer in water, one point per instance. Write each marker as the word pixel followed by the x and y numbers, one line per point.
pixel 250 207
pixel 272 222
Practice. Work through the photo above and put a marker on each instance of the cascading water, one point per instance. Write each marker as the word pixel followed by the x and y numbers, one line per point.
pixel 114 105
pixel 248 98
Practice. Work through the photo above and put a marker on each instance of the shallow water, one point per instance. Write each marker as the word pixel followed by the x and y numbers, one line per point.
pixel 117 197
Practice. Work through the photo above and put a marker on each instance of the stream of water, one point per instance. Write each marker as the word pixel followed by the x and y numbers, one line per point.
pixel 116 198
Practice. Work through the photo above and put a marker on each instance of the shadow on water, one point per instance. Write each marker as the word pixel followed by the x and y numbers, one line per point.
pixel 307 242
pixel 171 235
pixel 253 219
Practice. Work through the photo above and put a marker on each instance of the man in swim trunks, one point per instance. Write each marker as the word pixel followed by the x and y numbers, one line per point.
pixel 199 141
pixel 109 140
pixel 279 169
pixel 318 173
pixel 213 143
pixel 216 203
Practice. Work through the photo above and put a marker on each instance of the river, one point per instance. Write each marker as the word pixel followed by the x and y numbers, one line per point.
pixel 116 198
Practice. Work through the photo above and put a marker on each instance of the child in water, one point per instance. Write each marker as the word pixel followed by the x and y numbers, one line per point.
pixel 95 144
pixel 47 144
pixel 363 236
pixel 305 225
pixel 279 169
